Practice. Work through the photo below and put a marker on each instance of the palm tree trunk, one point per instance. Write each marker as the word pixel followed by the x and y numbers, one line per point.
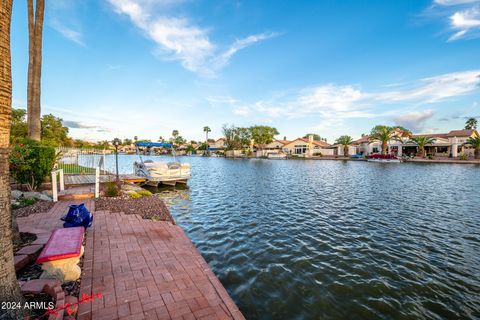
pixel 384 148
pixel 31 46
pixel 9 289
pixel 34 124
pixel 477 153
pixel 345 151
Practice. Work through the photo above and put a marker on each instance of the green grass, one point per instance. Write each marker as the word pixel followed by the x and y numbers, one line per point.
pixel 75 169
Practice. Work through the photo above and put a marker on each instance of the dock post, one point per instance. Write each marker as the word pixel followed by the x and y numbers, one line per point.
pixel 62 183
pixel 97 182
pixel 54 186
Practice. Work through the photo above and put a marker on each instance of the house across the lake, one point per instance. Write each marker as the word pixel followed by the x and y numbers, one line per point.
pixel 449 144
pixel 302 147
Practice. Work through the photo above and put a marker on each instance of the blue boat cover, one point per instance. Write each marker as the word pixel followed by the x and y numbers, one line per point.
pixel 153 144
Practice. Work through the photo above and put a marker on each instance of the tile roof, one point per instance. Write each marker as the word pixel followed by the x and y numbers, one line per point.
pixel 460 133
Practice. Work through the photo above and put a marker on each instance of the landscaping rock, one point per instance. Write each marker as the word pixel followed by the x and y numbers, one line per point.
pixel 72 303
pixel 21 261
pixel 16 194
pixel 37 286
pixel 37 195
pixel 30 250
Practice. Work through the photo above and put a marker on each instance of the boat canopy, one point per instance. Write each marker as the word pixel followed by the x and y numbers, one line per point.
pixel 153 144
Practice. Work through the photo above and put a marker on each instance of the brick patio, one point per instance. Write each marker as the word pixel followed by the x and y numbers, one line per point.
pixel 144 269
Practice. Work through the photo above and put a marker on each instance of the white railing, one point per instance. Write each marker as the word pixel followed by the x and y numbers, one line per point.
pixel 61 182
pixel 81 160
pixel 58 172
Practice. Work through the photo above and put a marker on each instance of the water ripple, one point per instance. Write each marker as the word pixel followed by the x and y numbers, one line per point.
pixel 337 240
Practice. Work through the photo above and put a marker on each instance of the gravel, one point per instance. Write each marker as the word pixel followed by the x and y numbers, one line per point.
pixel 149 207
pixel 37 207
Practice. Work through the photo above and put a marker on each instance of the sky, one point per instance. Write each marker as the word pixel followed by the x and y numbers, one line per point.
pixel 125 68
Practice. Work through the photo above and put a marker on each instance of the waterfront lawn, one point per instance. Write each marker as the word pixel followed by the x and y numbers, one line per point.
pixel 75 169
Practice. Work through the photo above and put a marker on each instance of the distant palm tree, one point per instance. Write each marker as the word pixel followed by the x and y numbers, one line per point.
pixel 383 134
pixel 344 141
pixel 471 124
pixel 421 142
pixel 475 143
pixel 206 129
pixel 135 138
pixel 9 289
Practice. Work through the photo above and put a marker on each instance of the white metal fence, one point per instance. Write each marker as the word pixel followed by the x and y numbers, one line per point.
pixel 81 161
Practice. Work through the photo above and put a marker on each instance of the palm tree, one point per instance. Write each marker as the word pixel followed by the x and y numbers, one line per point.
pixel 35 29
pixel 383 134
pixel 9 289
pixel 421 142
pixel 206 129
pixel 475 143
pixel 344 141
pixel 471 124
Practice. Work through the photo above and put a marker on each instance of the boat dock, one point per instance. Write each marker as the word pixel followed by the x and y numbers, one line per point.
pixel 140 269
pixel 85 179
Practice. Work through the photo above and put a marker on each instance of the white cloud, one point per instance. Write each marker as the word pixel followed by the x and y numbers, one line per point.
pixel 414 120
pixel 178 38
pixel 453 2
pixel 433 89
pixel 334 103
pixel 67 32
pixel 465 22
pixel 463 17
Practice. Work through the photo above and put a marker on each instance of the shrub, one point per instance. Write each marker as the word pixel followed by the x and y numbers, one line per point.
pixel 463 156
pixel 144 193
pixel 134 195
pixel 430 157
pixel 23 202
pixel 111 189
pixel 31 162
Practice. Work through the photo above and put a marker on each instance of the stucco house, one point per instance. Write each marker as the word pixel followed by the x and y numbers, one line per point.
pixel 219 144
pixel 449 144
pixel 307 147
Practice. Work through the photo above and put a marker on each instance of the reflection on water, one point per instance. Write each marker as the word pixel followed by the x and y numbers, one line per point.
pixel 337 240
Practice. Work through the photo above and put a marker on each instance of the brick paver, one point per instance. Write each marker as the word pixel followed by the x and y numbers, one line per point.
pixel 143 269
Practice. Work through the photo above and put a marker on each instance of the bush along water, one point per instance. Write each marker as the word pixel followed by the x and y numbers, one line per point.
pixel 31 161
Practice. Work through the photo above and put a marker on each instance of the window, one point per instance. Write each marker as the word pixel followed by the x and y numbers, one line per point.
pixel 300 149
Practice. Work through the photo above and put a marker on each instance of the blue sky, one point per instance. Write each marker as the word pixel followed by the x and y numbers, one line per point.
pixel 119 68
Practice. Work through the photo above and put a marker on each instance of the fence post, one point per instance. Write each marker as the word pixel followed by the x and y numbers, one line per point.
pixel 54 186
pixel 62 183
pixel 97 182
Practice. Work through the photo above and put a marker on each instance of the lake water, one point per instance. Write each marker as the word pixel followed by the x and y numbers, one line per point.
pixel 334 239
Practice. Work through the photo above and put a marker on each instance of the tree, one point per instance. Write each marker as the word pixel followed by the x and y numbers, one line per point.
pixel 471 124
pixel 9 289
pixel 344 141
pixel 383 134
pixel 474 143
pixel 206 129
pixel 236 138
pixel 263 135
pixel 53 130
pixel 160 139
pixel 35 30
pixel 421 142
pixel 135 138
pixel 127 142
pixel 316 137
pixel 19 123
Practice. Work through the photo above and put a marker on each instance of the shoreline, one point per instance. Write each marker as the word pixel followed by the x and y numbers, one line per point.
pixel 443 161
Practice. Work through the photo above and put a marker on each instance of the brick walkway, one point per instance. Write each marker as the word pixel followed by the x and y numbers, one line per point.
pixel 143 269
